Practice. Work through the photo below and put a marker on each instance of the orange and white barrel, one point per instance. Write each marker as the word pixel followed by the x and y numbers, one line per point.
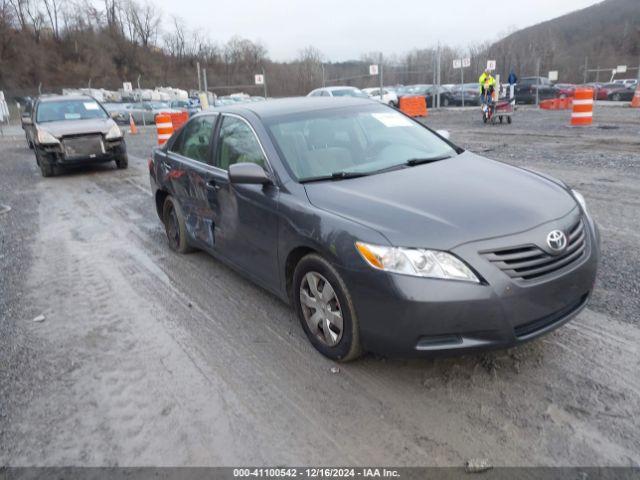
pixel 582 113
pixel 164 127
pixel 635 102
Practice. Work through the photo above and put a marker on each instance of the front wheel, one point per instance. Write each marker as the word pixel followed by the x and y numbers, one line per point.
pixel 122 161
pixel 325 309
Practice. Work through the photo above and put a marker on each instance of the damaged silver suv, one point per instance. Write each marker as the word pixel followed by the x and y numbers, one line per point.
pixel 66 130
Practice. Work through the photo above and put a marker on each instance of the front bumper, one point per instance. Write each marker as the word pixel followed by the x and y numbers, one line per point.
pixel 401 315
pixel 56 155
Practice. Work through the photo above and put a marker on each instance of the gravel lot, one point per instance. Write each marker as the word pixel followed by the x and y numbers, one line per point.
pixel 149 358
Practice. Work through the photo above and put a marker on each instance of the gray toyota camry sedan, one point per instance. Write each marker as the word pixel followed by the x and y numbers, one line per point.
pixel 382 235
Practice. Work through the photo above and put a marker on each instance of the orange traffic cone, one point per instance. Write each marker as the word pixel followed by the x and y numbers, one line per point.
pixel 133 130
pixel 635 102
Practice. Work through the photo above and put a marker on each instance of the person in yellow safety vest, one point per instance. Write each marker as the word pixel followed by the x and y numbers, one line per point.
pixel 487 85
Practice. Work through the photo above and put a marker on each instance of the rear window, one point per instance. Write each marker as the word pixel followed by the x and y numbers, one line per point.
pixel 61 110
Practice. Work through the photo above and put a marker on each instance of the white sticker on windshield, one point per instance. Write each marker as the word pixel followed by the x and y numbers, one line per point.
pixel 72 116
pixel 392 119
pixel 91 106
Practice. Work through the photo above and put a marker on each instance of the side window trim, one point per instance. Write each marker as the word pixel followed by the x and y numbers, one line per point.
pixel 218 145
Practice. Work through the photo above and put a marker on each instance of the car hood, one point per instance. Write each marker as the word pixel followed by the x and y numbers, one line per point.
pixel 77 127
pixel 446 203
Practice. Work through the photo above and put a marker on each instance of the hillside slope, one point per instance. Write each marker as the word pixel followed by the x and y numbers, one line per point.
pixel 606 35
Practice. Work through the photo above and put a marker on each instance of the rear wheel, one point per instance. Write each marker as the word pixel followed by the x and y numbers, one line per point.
pixel 616 97
pixel 174 225
pixel 325 309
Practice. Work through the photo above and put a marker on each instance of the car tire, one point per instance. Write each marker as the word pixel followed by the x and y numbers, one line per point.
pixel 122 161
pixel 46 169
pixel 175 227
pixel 445 102
pixel 616 97
pixel 316 323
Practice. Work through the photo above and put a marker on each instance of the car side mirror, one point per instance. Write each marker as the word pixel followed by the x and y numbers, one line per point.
pixel 115 115
pixel 248 173
pixel 444 133
pixel 26 120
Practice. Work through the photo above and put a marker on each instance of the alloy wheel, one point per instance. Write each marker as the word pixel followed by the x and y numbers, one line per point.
pixel 321 309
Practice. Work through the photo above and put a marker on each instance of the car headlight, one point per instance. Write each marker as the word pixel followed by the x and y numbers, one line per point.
pixel 45 138
pixel 580 199
pixel 113 133
pixel 417 262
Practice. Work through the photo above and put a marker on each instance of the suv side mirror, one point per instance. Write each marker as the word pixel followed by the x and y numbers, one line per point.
pixel 249 173
pixel 26 120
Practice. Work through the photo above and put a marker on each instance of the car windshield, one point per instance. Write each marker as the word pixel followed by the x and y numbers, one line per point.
pixel 349 92
pixel 59 110
pixel 356 140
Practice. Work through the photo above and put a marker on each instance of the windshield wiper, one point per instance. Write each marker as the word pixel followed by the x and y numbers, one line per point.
pixel 342 175
pixel 412 162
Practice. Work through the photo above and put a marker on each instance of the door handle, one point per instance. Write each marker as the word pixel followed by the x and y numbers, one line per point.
pixel 212 185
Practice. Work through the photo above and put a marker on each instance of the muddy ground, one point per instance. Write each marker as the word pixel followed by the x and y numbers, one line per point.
pixel 146 357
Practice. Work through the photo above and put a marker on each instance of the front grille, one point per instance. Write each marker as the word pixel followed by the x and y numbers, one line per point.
pixel 83 146
pixel 529 262
pixel 547 321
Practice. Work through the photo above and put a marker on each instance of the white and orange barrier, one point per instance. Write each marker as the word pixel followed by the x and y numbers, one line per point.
pixel 414 106
pixel 582 113
pixel 635 101
pixel 164 127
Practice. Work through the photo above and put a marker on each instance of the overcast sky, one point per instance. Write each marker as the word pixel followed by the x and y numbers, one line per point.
pixel 345 29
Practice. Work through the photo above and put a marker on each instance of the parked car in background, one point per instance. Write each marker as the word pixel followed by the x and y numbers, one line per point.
pixel 429 92
pixel 118 112
pixel 389 97
pixel 565 90
pixel 469 91
pixel 382 235
pixel 526 88
pixel 338 92
pixel 66 130
pixel 622 94
pixel 612 91
pixel 146 112
pixel 627 82
pixel 185 105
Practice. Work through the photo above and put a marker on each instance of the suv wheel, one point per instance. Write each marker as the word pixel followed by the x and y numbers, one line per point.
pixel 122 161
pixel 325 309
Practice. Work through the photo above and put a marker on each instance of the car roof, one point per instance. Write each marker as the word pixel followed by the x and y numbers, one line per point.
pixel 57 98
pixel 339 87
pixel 287 106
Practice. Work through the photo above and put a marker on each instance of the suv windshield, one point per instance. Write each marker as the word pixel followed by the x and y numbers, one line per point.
pixel 59 110
pixel 360 140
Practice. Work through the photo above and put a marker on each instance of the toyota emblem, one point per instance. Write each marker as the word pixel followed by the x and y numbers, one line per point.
pixel 557 240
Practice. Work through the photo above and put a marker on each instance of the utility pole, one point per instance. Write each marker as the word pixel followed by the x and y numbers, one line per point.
pixel 323 76
pixel 199 82
pixel 439 74
pixel 264 77
pixel 538 75
pixel 204 79
pixel 139 81
pixel 586 67
pixel 380 75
